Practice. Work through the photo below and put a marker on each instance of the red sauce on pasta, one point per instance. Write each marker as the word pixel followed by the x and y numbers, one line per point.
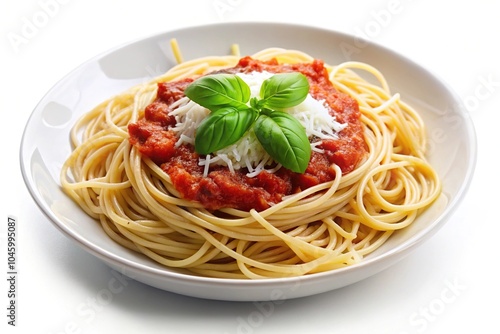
pixel 221 188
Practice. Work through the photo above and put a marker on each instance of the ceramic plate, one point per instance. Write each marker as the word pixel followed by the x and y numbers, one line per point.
pixel 452 147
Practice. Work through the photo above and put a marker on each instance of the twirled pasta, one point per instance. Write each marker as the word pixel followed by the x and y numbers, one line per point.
pixel 328 226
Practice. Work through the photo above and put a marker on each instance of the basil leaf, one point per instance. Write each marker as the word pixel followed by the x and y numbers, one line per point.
pixel 222 128
pixel 284 90
pixel 284 138
pixel 218 90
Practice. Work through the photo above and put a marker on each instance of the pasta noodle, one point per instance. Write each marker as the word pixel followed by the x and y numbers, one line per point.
pixel 327 226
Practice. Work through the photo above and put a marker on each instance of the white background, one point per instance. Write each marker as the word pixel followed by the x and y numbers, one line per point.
pixel 448 285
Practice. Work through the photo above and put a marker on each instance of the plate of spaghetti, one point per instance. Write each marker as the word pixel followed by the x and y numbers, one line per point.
pixel 249 161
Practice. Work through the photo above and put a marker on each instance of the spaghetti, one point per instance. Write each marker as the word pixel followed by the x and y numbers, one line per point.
pixel 327 226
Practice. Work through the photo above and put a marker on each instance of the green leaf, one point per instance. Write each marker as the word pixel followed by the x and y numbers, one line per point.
pixel 284 138
pixel 222 128
pixel 219 90
pixel 284 90
pixel 227 97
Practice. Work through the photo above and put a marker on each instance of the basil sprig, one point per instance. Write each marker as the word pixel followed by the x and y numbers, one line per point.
pixel 233 113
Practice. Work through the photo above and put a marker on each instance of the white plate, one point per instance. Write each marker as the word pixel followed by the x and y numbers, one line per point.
pixel 452 146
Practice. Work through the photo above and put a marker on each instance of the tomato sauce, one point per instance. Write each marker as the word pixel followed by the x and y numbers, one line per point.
pixel 223 189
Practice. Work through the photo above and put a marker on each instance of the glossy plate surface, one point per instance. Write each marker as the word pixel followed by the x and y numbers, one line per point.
pixel 45 146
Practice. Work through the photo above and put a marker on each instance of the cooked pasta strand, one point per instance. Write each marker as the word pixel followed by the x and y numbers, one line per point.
pixel 328 226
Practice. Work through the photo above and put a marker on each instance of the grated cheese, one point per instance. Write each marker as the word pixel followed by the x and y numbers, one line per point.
pixel 248 152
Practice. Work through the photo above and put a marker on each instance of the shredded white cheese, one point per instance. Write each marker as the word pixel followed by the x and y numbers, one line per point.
pixel 248 152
